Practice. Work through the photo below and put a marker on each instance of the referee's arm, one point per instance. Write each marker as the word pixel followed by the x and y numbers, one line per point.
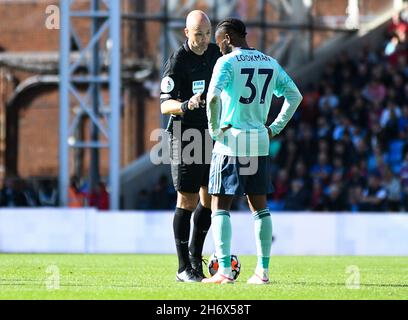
pixel 169 88
pixel 171 106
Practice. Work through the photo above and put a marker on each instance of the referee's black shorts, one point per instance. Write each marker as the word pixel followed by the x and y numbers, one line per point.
pixel 190 154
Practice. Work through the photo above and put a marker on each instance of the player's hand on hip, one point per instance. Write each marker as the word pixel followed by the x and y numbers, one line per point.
pixel 226 128
pixel 270 134
pixel 194 102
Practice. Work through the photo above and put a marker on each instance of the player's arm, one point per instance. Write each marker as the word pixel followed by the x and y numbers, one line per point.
pixel 287 88
pixel 221 77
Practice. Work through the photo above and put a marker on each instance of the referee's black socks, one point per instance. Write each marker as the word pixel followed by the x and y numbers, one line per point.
pixel 181 228
pixel 202 223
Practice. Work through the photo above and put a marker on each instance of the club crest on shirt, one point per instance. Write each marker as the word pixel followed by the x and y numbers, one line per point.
pixel 198 86
pixel 167 85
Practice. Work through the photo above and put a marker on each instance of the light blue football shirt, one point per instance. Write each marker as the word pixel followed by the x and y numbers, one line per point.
pixel 246 81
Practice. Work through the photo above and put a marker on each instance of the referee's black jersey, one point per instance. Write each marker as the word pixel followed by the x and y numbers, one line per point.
pixel 186 74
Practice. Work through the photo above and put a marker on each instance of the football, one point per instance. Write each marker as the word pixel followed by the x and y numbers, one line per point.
pixel 213 265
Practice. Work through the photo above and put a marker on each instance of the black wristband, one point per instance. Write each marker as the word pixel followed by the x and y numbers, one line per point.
pixel 203 104
pixel 184 106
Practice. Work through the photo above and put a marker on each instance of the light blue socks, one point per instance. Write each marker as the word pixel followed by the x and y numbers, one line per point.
pixel 263 237
pixel 222 233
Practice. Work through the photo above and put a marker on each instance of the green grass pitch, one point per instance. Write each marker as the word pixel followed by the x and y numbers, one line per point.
pixel 152 277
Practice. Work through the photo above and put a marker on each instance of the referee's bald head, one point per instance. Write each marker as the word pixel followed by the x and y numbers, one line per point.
pixel 196 18
pixel 198 31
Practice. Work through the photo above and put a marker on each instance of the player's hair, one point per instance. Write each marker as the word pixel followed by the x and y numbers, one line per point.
pixel 234 25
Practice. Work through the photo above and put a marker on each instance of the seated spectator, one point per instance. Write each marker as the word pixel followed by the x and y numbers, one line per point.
pixel 334 200
pixel 355 194
pixel 301 172
pixel 338 167
pixel 297 198
pixel 357 134
pixel 329 98
pixel 75 196
pixel 99 197
pixel 322 169
pixel 403 120
pixel 323 128
pixel 375 195
pixel 361 151
pixel 392 185
pixel 308 108
pixel 306 144
pixel 358 112
pixel 11 195
pixel 354 177
pixel 404 182
pixel 346 97
pixel 391 112
pixel 317 197
pixel 276 200
pixel 375 91
pixel 343 125
pixel 287 157
pixel 47 195
pixel 28 192
pixel 377 160
pixel 362 77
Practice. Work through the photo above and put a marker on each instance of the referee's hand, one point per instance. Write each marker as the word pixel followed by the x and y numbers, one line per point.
pixel 195 101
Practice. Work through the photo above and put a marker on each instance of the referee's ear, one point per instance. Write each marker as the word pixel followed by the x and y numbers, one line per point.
pixel 186 32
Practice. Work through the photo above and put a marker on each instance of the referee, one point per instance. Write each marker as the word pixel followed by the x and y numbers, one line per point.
pixel 184 87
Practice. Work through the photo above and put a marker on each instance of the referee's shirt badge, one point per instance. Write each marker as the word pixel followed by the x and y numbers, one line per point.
pixel 198 86
pixel 167 85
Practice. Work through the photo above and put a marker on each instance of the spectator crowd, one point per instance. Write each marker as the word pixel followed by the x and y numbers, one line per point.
pixel 346 149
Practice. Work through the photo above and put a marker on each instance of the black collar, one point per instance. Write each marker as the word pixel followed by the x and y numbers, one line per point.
pixel 186 47
pixel 251 49
pixel 188 50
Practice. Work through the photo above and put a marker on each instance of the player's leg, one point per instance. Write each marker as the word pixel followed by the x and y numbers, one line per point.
pixel 257 188
pixel 223 184
pixel 201 225
pixel 222 234
pixel 263 237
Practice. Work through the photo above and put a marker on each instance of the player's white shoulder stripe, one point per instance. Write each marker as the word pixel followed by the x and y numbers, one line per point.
pixel 167 85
